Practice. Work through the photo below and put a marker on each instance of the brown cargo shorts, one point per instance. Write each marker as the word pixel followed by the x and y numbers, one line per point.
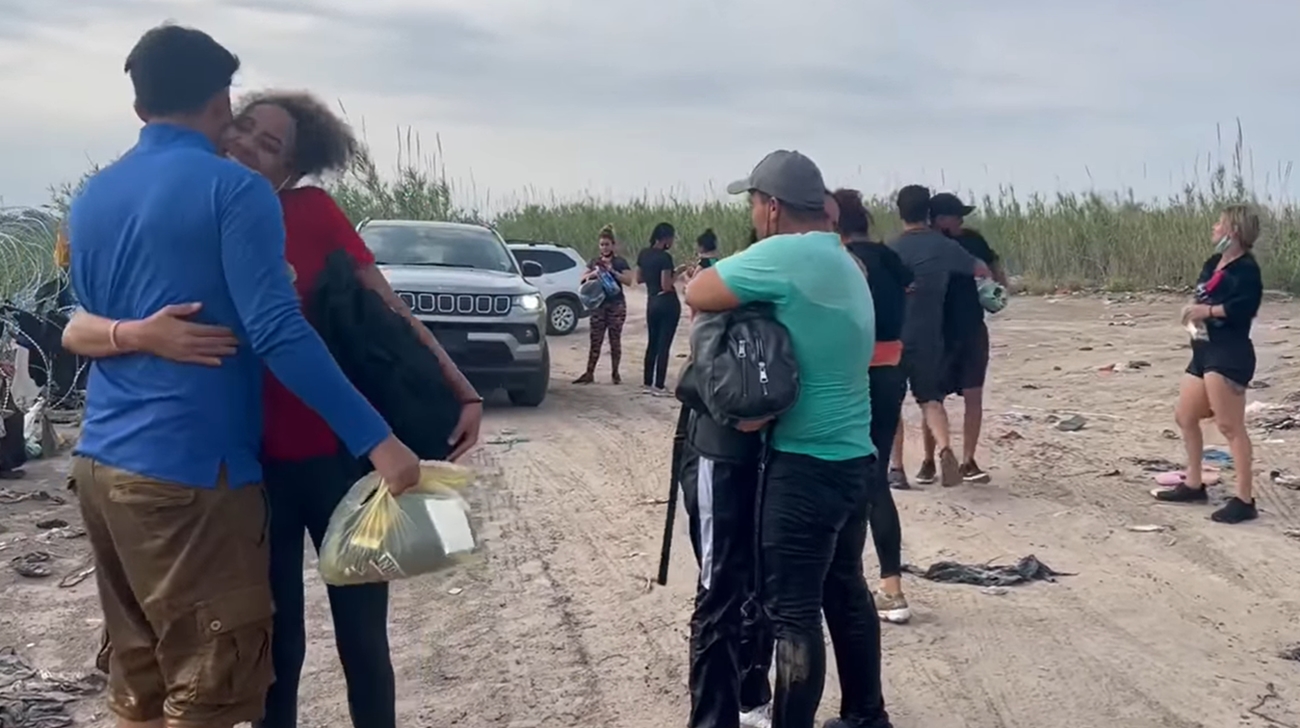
pixel 183 581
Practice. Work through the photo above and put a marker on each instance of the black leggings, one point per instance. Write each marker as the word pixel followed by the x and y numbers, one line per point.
pixel 662 314
pixel 302 495
pixel 888 388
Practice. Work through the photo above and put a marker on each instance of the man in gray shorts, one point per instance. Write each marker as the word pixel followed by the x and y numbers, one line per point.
pixel 933 258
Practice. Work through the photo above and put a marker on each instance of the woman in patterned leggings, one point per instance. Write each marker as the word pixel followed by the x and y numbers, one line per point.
pixel 609 315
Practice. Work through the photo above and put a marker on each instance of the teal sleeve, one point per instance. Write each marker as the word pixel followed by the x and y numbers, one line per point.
pixel 758 273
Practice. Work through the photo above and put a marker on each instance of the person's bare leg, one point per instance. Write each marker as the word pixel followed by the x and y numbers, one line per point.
pixel 972 422
pixel 896 454
pixel 936 427
pixel 936 420
pixel 927 439
pixel 1228 403
pixel 1193 407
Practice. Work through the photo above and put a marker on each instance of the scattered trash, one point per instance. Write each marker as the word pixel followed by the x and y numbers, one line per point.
pixel 33 564
pixel 1016 418
pixel 1126 366
pixel 1217 457
pixel 507 440
pixel 1169 434
pixel 1085 348
pixel 1023 571
pixel 1285 480
pixel 1030 386
pixel 1148 528
pixel 1113 472
pixel 1270 693
pixel 79 574
pixel 1292 533
pixel 455 591
pixel 66 532
pixel 1291 653
pixel 1073 423
pixel 1155 465
pixel 31 698
pixel 1259 384
pixel 995 591
pixel 1010 436
pixel 49 523
pixel 9 497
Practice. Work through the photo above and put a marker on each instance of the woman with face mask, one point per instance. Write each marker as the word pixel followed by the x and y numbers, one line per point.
pixel 1228 295
pixel 286 137
pixel 614 273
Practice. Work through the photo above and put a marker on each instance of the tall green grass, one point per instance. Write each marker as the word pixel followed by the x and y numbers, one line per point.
pixel 1112 241
pixel 1086 240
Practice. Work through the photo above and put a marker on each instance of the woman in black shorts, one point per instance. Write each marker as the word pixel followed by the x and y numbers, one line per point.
pixel 1228 293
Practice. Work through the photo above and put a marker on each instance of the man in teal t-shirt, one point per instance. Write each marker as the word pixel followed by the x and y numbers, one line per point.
pixel 819 295
pixel 813 521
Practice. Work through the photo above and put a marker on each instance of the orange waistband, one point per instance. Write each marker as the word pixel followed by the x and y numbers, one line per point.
pixel 887 354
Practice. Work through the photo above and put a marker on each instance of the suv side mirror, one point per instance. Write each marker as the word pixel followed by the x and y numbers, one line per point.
pixel 531 269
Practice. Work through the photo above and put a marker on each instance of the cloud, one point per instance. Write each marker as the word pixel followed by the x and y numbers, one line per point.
pixel 620 97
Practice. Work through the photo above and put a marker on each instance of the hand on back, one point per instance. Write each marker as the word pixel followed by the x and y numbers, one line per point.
pixel 171 335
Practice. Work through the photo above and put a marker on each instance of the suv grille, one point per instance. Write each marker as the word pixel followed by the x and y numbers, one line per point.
pixel 456 304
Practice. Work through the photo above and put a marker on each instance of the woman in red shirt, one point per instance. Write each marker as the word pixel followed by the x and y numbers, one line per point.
pixel 287 137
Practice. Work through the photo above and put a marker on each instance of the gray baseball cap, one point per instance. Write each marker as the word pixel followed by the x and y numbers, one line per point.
pixel 790 177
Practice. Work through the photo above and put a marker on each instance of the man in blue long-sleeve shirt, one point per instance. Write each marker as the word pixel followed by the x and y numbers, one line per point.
pixel 167 468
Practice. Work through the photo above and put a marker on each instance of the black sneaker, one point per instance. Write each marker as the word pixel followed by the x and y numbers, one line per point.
pixel 1181 493
pixel 898 479
pixel 927 473
pixel 1235 510
pixel 972 473
pixel 847 723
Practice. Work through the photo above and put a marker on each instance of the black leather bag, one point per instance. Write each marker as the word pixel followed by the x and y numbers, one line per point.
pixel 742 366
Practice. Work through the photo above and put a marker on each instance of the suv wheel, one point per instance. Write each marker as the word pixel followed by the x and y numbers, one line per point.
pixel 561 316
pixel 531 391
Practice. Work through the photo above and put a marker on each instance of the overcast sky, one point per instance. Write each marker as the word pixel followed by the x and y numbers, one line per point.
pixel 622 97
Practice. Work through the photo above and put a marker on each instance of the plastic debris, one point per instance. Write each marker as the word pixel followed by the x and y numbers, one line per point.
pixel 33 564
pixel 1285 480
pixel 10 497
pixel 1023 571
pixel 1073 423
pixel 31 698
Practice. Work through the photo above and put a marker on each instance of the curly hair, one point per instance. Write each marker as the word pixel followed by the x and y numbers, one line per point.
pixel 323 142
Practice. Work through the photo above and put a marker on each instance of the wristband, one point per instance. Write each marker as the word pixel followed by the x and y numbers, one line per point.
pixel 112 335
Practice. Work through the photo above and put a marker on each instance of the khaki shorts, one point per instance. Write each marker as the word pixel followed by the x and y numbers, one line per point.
pixel 183 580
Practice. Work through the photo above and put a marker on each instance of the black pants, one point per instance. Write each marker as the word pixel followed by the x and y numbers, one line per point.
pixel 662 314
pixel 888 388
pixel 813 528
pixel 302 496
pixel 731 644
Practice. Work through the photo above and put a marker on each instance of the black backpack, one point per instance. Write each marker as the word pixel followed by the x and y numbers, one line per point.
pixel 742 366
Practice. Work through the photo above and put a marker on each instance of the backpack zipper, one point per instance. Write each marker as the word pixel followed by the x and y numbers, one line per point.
pixel 742 357
pixel 762 368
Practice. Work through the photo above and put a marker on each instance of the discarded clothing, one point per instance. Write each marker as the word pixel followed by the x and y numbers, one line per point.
pixel 31 698
pixel 1023 571
pixel 33 565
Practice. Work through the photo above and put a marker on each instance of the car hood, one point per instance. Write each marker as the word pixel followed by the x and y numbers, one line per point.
pixel 453 280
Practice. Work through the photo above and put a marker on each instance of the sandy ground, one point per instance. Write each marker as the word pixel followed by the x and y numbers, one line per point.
pixel 559 626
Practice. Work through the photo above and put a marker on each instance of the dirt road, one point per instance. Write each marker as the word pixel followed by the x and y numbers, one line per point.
pixel 559 628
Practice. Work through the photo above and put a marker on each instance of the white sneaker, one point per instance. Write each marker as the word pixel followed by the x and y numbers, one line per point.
pixel 760 717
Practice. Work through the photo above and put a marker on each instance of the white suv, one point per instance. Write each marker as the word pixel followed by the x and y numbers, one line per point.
pixel 562 270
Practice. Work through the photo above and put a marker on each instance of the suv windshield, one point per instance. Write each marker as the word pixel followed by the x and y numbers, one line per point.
pixel 435 245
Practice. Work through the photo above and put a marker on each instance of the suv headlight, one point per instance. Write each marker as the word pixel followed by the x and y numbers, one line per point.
pixel 529 302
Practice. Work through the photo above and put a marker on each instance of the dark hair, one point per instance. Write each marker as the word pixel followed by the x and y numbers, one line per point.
pixel 855 218
pixel 322 141
pixel 708 241
pixel 177 70
pixel 607 233
pixel 662 231
pixel 914 204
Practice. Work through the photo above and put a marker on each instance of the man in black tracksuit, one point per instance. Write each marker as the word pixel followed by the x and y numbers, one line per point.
pixel 731 643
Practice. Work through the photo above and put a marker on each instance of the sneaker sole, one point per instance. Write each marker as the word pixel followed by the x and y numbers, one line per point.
pixel 895 616
pixel 981 478
pixel 926 481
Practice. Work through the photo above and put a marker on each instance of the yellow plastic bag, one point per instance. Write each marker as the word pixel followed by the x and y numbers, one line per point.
pixel 373 536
